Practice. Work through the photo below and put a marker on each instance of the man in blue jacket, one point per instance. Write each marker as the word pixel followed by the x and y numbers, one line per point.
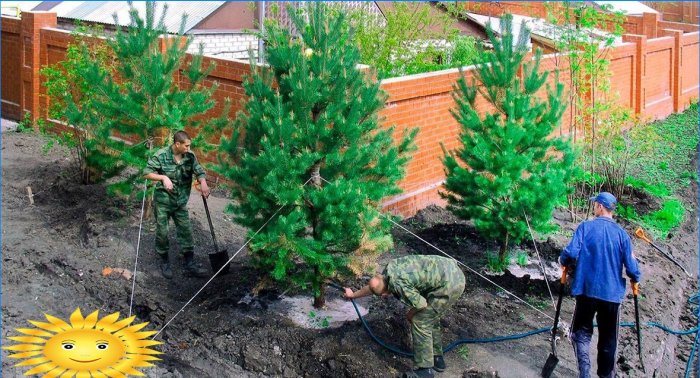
pixel 600 249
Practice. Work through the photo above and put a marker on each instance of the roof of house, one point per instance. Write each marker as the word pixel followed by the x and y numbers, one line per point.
pixel 539 28
pixel 632 8
pixel 9 8
pixel 103 11
pixel 495 23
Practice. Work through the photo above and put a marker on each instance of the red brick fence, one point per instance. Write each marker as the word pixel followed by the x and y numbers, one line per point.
pixel 654 74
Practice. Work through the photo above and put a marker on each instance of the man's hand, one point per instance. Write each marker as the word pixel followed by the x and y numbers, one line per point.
pixel 411 313
pixel 167 184
pixel 348 293
pixel 204 188
pixel 635 288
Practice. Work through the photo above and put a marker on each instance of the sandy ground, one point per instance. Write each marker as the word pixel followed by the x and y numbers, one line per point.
pixel 54 253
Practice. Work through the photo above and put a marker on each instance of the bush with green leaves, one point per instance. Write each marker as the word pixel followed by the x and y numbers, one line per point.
pixel 508 171
pixel 127 99
pixel 412 38
pixel 73 111
pixel 309 158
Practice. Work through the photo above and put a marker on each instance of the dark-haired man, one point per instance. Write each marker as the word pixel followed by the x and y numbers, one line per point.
pixel 429 285
pixel 173 168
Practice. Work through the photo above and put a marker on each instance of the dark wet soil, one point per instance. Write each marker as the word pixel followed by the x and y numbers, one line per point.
pixel 53 254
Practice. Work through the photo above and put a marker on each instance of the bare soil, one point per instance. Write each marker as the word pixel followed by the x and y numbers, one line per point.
pixel 53 254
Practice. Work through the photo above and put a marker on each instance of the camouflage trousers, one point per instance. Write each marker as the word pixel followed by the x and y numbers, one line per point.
pixel 425 327
pixel 183 227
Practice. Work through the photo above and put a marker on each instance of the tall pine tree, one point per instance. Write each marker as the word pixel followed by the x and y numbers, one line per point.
pixel 310 142
pixel 508 170
pixel 140 99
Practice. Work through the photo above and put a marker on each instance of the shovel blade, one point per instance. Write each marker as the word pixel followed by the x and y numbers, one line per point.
pixel 219 260
pixel 549 365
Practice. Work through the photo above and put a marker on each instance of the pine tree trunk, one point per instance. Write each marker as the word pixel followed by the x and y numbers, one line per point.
pixel 320 300
pixel 504 250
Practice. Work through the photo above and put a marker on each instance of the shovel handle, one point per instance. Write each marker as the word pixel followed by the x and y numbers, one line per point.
pixel 642 235
pixel 211 226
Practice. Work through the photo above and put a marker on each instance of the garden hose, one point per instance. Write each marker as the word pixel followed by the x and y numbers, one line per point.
pixel 693 299
pixel 451 345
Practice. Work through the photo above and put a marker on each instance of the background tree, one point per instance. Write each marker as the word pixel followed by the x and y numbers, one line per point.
pixel 412 37
pixel 138 98
pixel 508 171
pixel 71 102
pixel 587 34
pixel 313 146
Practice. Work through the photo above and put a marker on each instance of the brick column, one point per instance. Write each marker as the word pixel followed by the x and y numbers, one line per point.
pixel 641 46
pixel 650 25
pixel 30 47
pixel 676 66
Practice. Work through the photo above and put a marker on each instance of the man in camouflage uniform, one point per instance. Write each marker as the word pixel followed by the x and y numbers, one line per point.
pixel 173 167
pixel 429 285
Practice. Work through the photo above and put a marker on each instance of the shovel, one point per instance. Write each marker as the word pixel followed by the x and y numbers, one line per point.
pixel 553 360
pixel 642 235
pixel 635 292
pixel 218 259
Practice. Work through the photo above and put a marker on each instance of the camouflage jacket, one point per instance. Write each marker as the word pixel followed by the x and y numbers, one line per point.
pixel 416 280
pixel 163 163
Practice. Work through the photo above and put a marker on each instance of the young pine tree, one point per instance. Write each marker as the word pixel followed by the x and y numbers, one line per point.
pixel 508 171
pixel 141 100
pixel 311 157
pixel 72 101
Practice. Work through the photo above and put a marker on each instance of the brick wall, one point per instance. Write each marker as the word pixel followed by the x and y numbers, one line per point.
pixel 653 76
pixel 226 45
pixel 11 66
pixel 678 11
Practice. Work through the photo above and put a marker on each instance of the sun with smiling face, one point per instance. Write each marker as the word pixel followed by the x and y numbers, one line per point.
pixel 87 347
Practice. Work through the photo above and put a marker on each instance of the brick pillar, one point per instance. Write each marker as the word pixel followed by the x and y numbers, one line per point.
pixel 650 24
pixel 30 47
pixel 676 69
pixel 639 60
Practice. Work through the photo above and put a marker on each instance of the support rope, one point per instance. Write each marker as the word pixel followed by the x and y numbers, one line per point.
pixel 544 272
pixel 223 266
pixel 461 263
pixel 138 245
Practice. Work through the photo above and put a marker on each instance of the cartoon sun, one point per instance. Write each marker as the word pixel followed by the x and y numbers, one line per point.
pixel 87 347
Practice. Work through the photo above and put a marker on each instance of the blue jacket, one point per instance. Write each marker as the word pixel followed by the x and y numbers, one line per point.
pixel 600 248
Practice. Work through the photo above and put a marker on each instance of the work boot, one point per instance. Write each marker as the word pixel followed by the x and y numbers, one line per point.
pixel 419 373
pixel 439 364
pixel 165 269
pixel 193 269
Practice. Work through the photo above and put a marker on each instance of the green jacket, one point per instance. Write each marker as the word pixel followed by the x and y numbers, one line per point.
pixel 419 281
pixel 163 163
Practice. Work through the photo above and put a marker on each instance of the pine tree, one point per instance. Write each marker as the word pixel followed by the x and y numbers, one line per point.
pixel 72 102
pixel 140 100
pixel 508 171
pixel 313 148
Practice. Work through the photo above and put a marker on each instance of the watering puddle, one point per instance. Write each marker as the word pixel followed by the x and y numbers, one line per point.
pixel 300 310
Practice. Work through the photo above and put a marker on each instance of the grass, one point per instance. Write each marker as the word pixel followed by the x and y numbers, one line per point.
pixel 537 303
pixel 521 258
pixel 627 212
pixel 463 352
pixel 663 170
pixel 669 165
pixel 661 222
pixel 494 263
pixel 318 321
pixel 657 190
